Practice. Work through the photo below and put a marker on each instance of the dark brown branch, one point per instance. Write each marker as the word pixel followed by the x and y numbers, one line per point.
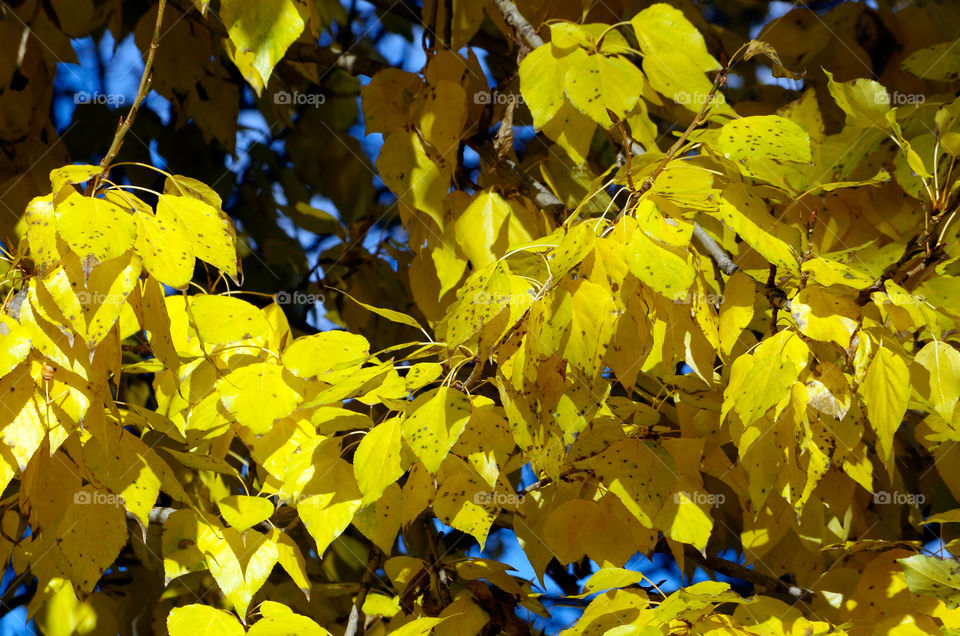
pixel 356 612
pixel 353 64
pixel 731 568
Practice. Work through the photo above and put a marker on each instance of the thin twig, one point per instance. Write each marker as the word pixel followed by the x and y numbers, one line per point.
pixel 142 91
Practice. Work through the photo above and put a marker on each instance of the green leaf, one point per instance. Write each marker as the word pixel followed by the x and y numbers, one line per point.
pixel 865 101
pixel 940 62
pixel 932 576
pixel 937 376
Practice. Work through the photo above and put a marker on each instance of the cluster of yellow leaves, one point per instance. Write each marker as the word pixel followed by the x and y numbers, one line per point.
pixel 653 396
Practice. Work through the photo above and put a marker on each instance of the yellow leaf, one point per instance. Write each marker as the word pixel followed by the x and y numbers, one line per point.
pixel 209 231
pixel 572 130
pixel 607 578
pixel 322 355
pixel 419 180
pixel 932 576
pixel 391 315
pixel 219 320
pixel 438 420
pixel 594 83
pixel 94 227
pixel 442 117
pixel 131 470
pixel 243 512
pixel 568 531
pixel 202 619
pixel 71 175
pixel 260 33
pixel 659 267
pixel 769 137
pixel 42 233
pixel 240 563
pixel 582 320
pixel 641 473
pixel 684 520
pixel 824 315
pixel 542 74
pixel 284 625
pixel 886 393
pixel 463 499
pixel 940 62
pixel 865 101
pixel 748 217
pixel 291 559
pixel 487 228
pixel 661 28
pixel 736 310
pixel 936 371
pixel 327 512
pixel 417 627
pixel 14 344
pixel 257 395
pixel 178 541
pixel 387 99
pixel 380 521
pixel 378 461
pixel 760 380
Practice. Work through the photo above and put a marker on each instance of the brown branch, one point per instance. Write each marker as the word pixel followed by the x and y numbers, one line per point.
pixel 356 612
pixel 794 593
pixel 142 91
pixel 520 24
pixel 325 56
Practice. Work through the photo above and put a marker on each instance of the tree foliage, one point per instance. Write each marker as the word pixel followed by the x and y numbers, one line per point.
pixel 628 299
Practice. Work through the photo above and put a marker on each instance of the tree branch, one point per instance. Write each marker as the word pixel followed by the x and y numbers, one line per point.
pixel 356 612
pixel 515 19
pixel 731 568
pixel 142 91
